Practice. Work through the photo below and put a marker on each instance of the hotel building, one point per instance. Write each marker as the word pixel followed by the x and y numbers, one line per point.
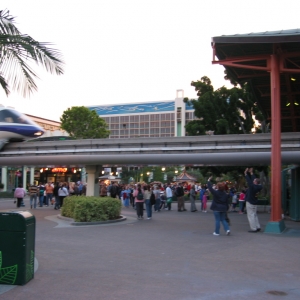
pixel 151 119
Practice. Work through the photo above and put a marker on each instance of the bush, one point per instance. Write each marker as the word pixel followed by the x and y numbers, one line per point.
pixel 91 209
pixel 6 194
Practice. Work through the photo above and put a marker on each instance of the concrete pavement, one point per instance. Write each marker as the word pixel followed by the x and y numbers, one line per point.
pixel 173 256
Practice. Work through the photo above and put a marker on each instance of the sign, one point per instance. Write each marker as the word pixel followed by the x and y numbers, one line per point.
pixel 59 170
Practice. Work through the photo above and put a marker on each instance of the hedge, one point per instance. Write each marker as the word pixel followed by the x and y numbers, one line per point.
pixel 91 209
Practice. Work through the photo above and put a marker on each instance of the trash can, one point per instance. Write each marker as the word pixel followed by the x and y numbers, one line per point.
pixel 17 244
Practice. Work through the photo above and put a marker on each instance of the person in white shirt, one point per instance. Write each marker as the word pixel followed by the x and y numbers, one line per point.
pixel 169 196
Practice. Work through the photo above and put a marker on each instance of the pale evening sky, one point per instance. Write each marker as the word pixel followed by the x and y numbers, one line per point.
pixel 123 51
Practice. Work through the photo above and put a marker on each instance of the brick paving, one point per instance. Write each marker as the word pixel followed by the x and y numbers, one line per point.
pixel 173 256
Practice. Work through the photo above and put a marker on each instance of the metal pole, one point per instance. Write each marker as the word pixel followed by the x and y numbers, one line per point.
pixel 276 140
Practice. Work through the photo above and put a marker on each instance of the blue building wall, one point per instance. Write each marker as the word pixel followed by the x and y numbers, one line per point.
pixel 138 108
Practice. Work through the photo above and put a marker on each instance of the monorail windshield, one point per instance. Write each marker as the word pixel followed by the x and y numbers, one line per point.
pixel 13 116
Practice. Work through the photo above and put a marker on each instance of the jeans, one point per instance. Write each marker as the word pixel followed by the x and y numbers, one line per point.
pixel 57 202
pixel 220 217
pixel 33 199
pixel 148 208
pixel 48 197
pixel 242 206
pixel 157 204
pixel 126 202
pixel 41 200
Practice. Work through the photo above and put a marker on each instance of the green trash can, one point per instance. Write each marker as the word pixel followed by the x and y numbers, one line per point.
pixel 17 243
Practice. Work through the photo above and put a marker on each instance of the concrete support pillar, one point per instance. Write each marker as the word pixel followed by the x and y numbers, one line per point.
pixel 276 224
pixel 31 176
pixel 92 188
pixel 4 178
pixel 24 172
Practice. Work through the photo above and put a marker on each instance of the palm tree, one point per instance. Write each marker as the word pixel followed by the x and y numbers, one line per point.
pixel 17 52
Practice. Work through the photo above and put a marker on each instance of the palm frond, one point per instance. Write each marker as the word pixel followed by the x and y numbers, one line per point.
pixel 4 85
pixel 7 23
pixel 18 52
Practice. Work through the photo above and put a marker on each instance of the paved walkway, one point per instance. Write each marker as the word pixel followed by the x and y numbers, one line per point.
pixel 173 256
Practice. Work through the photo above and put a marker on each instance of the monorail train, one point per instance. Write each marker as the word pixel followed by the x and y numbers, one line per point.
pixel 16 127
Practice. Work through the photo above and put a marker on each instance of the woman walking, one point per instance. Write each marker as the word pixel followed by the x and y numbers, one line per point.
pixel 219 206
pixel 193 198
pixel 19 194
pixel 62 193
pixel 147 195
pixel 139 201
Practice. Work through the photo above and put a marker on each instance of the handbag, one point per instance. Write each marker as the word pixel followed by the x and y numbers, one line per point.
pixel 169 200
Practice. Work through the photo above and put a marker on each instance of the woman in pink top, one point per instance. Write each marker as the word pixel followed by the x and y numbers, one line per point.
pixel 138 195
pixel 242 202
pixel 19 194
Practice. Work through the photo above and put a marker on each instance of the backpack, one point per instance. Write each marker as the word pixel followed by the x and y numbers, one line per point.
pixel 152 199
pixel 42 191
pixel 140 196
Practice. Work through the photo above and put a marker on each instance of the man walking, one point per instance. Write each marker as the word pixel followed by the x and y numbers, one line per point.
pixel 33 193
pixel 254 187
pixel 179 192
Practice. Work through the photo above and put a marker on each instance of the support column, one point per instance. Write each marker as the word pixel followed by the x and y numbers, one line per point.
pixel 24 172
pixel 276 224
pixel 4 178
pixel 31 176
pixel 91 176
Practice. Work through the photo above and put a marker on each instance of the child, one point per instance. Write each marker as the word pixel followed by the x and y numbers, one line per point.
pixel 234 202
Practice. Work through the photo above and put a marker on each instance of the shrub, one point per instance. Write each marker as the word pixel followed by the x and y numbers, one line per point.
pixel 91 209
pixel 6 194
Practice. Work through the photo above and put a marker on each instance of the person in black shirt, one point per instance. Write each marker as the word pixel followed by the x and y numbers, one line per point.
pixel 254 187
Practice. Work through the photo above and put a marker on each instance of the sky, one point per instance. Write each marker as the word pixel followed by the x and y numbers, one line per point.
pixel 127 51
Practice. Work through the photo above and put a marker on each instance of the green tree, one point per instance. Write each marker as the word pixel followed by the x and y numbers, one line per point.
pixel 224 111
pixel 18 52
pixel 82 123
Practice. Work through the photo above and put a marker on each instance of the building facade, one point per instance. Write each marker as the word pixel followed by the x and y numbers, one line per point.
pixel 151 119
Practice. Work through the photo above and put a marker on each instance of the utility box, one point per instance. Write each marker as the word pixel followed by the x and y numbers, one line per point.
pixel 295 197
pixel 17 245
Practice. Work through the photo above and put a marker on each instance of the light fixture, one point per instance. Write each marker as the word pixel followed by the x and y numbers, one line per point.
pixel 176 171
pixel 102 172
pixel 117 173
pixel 289 103
pixel 293 79
pixel 163 169
pixel 41 170
pixel 148 173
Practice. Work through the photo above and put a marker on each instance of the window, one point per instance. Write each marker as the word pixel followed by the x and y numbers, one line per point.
pixel 144 118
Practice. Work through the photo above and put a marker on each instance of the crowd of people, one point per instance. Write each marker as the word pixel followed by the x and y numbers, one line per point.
pixel 46 194
pixel 160 196
pixel 157 197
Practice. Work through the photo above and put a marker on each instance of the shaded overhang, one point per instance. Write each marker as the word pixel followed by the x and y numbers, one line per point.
pixel 246 58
